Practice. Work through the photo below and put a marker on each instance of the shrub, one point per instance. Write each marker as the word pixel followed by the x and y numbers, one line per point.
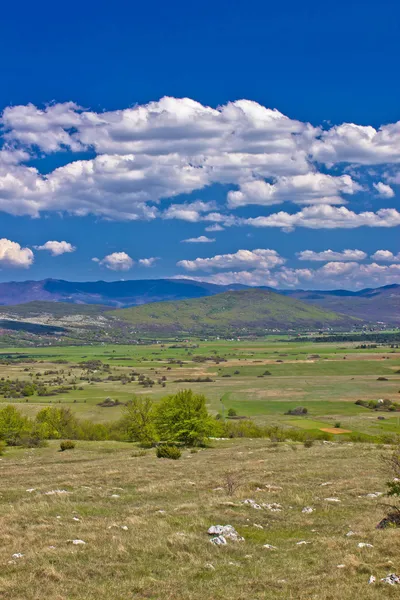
pixel 2 448
pixel 232 412
pixel 168 451
pixel 12 425
pixel 337 425
pixel 57 423
pixel 67 445
pixel 138 421
pixel 183 418
pixel 308 443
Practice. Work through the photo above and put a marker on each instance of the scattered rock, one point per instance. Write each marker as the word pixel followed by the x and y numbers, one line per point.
pixel 350 533
pixel 225 532
pixel 219 540
pixel 75 519
pixel 374 495
pixel 18 555
pixel 77 542
pixel 364 545
pixel 307 510
pixel 56 492
pixel 270 547
pixel 273 507
pixel 332 500
pixel 391 579
pixel 258 526
pixel 341 566
pixel 115 496
pixel 30 490
pixel 209 566
pixel 372 579
pixel 302 543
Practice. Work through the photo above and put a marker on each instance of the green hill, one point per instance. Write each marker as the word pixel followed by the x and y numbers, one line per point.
pixel 245 311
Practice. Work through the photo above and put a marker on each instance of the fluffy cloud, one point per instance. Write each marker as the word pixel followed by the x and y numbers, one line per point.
pixel 385 256
pixel 12 255
pixel 358 144
pixel 57 248
pixel 202 239
pixel 260 259
pixel 147 262
pixel 327 217
pixel 175 146
pixel 312 188
pixel 192 211
pixel 334 275
pixel 117 261
pixel 330 255
pixel 215 227
pixel 384 190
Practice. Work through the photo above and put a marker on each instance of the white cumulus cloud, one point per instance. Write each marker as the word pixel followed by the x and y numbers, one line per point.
pixel 13 255
pixel 117 261
pixel 147 262
pixel 259 258
pixel 57 248
pixel 385 256
pixel 384 190
pixel 330 255
pixel 202 239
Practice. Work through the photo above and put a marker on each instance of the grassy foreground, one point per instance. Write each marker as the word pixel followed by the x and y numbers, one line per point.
pixel 145 522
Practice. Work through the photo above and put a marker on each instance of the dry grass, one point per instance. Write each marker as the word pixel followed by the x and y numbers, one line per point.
pixel 167 555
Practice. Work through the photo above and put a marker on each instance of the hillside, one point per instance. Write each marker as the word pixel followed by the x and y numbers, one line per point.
pixel 246 311
pixel 379 304
pixel 117 294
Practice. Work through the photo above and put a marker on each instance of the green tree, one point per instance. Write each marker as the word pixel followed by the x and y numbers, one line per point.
pixel 12 425
pixel 56 423
pixel 138 420
pixel 183 418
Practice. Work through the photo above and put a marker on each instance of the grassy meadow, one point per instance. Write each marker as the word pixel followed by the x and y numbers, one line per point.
pixel 144 522
pixel 260 379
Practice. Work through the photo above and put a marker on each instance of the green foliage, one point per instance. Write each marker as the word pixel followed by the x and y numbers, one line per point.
pixel 183 418
pixel 67 445
pixel 138 421
pixel 12 425
pixel 232 412
pixel 56 423
pixel 2 448
pixel 308 443
pixel 168 451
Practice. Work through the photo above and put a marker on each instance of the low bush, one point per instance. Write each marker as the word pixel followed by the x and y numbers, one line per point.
pixel 2 447
pixel 168 451
pixel 308 443
pixel 67 445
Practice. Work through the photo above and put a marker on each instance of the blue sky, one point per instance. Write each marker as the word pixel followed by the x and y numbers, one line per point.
pixel 128 128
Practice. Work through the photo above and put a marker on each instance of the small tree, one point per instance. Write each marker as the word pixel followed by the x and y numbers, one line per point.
pixel 138 420
pixel 56 423
pixel 183 418
pixel 13 425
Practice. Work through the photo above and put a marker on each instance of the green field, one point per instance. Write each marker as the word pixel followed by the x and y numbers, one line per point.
pixel 260 379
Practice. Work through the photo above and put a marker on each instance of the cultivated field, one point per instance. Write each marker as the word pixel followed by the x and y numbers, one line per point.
pixel 144 522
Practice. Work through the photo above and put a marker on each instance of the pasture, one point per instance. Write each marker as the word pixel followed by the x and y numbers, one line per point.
pixel 261 379
pixel 142 523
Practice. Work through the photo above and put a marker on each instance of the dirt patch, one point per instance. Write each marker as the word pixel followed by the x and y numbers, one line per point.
pixel 335 430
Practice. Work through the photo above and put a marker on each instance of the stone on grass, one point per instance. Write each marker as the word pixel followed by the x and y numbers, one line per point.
pixel 225 531
pixel 302 543
pixel 307 510
pixel 332 500
pixel 364 545
pixel 391 579
pixel 77 542
pixel 218 540
pixel 270 547
pixel 56 492
pixel 372 579
pixel 17 555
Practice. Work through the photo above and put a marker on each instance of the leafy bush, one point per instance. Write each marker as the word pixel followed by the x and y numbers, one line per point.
pixel 138 421
pixel 12 425
pixel 232 412
pixel 67 445
pixel 337 425
pixel 57 423
pixel 168 451
pixel 2 448
pixel 308 443
pixel 183 418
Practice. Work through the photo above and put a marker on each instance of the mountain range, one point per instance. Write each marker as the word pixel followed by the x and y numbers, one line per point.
pixel 93 298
